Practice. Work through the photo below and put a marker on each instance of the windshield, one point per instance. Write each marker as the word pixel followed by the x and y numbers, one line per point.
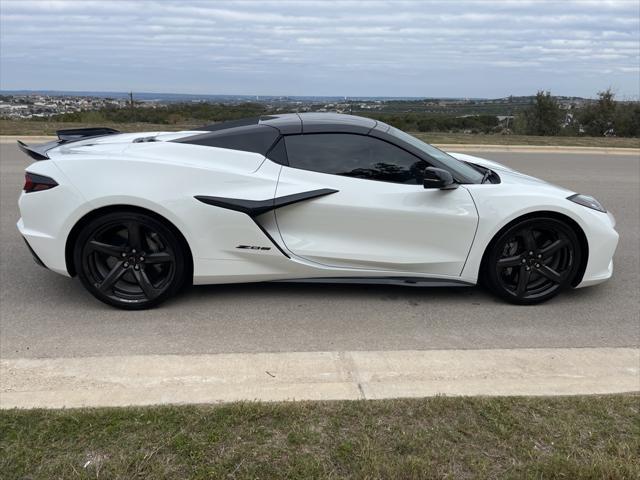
pixel 456 166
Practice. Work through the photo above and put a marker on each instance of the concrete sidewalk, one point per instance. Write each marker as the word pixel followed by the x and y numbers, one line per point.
pixel 179 379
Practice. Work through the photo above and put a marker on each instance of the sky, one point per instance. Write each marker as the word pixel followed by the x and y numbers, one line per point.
pixel 352 48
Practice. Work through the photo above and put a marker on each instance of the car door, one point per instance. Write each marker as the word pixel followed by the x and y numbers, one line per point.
pixel 380 216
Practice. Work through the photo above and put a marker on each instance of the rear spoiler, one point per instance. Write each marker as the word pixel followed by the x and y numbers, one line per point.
pixel 71 134
pixel 39 152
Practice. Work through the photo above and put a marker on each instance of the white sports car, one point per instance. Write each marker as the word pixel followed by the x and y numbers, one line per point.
pixel 300 197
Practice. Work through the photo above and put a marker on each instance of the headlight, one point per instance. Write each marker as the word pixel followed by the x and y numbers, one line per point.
pixel 587 201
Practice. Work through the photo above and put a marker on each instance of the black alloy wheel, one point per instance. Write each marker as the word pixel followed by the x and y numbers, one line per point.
pixel 533 260
pixel 129 260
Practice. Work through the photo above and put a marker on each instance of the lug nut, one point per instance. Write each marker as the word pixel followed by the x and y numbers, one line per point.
pixel 137 267
pixel 524 260
pixel 126 264
pixel 539 256
pixel 123 254
pixel 537 265
pixel 133 251
pixel 528 268
pixel 142 259
pixel 530 252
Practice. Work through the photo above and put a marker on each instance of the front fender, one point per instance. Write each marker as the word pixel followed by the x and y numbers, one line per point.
pixel 500 204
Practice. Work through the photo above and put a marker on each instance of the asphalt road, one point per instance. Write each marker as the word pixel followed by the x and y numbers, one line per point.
pixel 46 315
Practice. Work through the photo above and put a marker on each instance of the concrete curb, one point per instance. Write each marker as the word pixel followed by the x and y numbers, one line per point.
pixel 176 379
pixel 4 139
pixel 539 149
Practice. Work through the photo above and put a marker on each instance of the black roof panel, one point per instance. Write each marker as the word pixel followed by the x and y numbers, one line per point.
pixel 335 122
pixel 319 122
pixel 287 124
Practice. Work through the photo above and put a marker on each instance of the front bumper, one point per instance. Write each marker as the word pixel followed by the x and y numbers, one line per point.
pixel 603 240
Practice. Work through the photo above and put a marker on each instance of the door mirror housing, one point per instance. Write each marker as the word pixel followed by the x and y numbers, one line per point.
pixel 438 178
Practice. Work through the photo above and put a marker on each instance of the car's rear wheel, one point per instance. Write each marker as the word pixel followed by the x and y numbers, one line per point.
pixel 129 260
pixel 532 260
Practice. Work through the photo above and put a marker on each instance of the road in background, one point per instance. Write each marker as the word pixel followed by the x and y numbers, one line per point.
pixel 45 315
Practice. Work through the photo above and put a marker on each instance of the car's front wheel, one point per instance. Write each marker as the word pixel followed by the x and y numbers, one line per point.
pixel 129 260
pixel 532 260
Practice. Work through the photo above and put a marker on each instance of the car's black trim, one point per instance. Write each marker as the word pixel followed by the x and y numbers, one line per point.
pixel 37 152
pixel 244 138
pixel 268 235
pixel 72 134
pixel 405 281
pixel 35 256
pixel 278 152
pixel 253 208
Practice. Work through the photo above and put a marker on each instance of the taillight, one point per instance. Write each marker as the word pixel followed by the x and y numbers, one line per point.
pixel 35 183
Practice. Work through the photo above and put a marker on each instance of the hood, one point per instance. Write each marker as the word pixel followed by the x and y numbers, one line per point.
pixel 507 175
pixel 483 162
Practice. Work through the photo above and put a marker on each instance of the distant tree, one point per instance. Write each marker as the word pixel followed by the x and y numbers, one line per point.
pixel 626 120
pixel 597 119
pixel 544 117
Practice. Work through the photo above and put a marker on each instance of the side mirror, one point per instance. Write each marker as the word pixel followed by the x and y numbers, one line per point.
pixel 438 178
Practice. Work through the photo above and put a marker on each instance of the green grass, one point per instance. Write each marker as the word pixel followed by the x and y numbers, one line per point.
pixel 26 128
pixel 564 437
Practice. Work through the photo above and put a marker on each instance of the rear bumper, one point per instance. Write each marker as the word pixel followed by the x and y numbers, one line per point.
pixel 46 250
pixel 35 256
pixel 47 217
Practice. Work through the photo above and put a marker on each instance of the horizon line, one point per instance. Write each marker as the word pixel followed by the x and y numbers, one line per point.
pixel 346 97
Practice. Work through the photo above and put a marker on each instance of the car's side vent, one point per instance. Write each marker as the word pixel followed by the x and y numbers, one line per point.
pixel 145 139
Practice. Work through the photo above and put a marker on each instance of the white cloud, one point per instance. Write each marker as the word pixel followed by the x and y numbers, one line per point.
pixel 452 48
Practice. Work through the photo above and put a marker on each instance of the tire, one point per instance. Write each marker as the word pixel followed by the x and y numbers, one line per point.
pixel 130 260
pixel 532 261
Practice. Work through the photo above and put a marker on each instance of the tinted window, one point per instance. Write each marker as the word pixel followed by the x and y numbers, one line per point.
pixel 456 166
pixel 356 156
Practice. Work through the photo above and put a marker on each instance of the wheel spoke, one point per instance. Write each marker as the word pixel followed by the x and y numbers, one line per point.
pixel 550 273
pixel 523 281
pixel 510 261
pixel 112 277
pixel 111 250
pixel 553 247
pixel 135 235
pixel 159 257
pixel 149 290
pixel 529 240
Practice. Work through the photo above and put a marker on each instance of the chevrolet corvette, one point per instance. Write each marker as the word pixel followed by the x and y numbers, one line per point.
pixel 312 197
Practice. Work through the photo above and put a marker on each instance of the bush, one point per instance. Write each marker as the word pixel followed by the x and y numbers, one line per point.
pixel 543 118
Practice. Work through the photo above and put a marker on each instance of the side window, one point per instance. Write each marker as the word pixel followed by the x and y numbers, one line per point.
pixel 356 156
